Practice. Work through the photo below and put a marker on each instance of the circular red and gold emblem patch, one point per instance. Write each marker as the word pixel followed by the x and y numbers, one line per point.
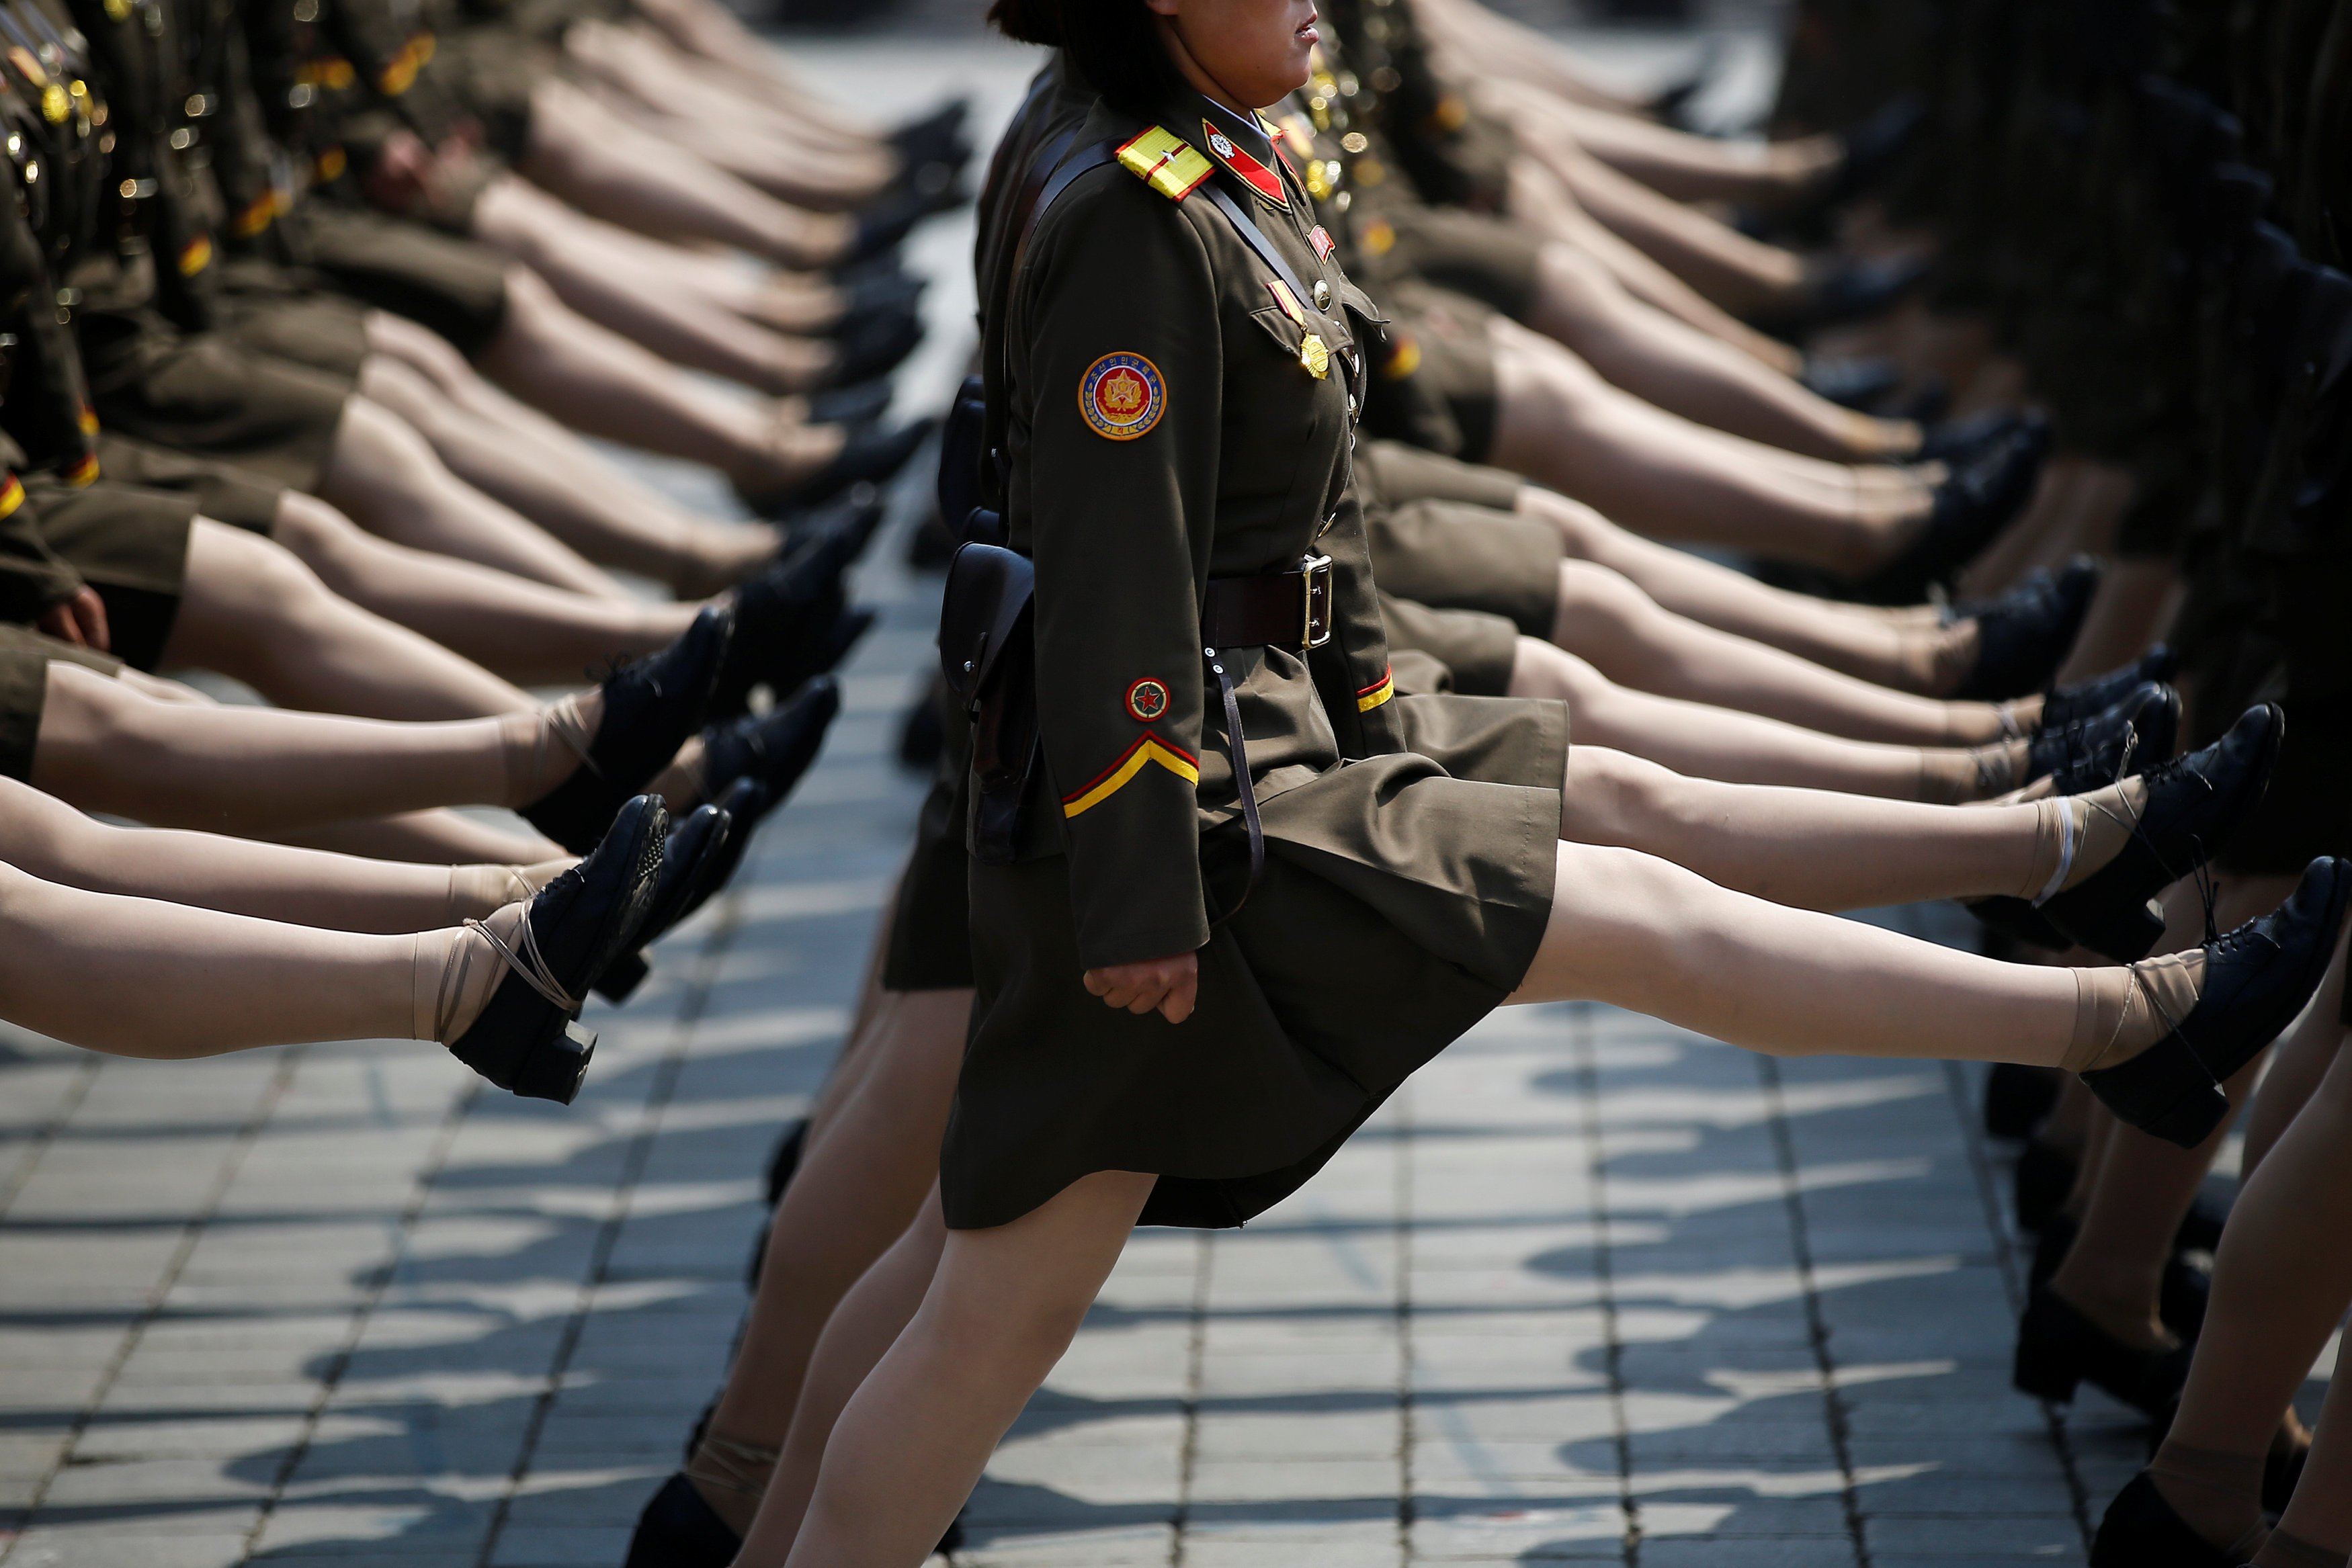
pixel 1147 700
pixel 1122 396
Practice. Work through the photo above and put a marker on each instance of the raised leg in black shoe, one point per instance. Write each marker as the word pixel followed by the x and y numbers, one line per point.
pixel 508 1001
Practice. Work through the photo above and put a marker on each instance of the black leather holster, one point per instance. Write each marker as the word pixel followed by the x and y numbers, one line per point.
pixel 988 656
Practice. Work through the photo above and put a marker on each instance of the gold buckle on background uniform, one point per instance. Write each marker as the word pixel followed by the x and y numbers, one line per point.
pixel 1315 573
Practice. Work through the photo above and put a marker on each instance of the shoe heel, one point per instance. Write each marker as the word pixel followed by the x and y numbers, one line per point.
pixel 2042 1372
pixel 554 1069
pixel 2126 935
pixel 622 976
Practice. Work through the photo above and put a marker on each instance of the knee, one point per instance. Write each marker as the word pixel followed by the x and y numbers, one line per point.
pixel 312 530
pixel 1606 786
pixel 1594 596
pixel 1540 669
pixel 40 834
pixel 1582 531
pixel 420 347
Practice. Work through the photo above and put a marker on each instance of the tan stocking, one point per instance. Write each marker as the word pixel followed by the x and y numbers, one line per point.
pixel 541 749
pixel 732 1476
pixel 1979 773
pixel 2218 1495
pixel 475 890
pixel 2118 1013
pixel 2285 1551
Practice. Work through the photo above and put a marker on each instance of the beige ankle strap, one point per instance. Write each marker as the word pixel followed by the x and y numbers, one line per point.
pixel 723 1464
pixel 525 959
pixel 2057 836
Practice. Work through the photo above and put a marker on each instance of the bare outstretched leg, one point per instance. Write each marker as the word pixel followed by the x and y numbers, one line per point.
pixel 523 631
pixel 251 609
pixel 44 837
pixel 387 479
pixel 1562 426
pixel 1700 741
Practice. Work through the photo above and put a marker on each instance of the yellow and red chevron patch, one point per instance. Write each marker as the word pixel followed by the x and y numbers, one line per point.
pixel 1376 694
pixel 1147 748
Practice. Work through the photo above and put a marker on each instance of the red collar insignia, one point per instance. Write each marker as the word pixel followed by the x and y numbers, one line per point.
pixel 1320 238
pixel 1254 174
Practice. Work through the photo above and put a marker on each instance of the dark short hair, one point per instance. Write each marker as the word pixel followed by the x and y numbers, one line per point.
pixel 1028 21
pixel 1116 50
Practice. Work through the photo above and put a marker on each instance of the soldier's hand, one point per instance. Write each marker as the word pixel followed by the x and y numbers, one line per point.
pixel 80 621
pixel 1166 986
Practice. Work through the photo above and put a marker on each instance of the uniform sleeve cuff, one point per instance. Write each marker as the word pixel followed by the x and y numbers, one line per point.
pixel 1141 945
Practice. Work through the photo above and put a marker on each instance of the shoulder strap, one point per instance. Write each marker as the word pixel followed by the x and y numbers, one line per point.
pixel 1051 172
pixel 1255 237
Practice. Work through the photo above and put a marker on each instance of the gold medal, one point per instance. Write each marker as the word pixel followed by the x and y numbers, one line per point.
pixel 1315 356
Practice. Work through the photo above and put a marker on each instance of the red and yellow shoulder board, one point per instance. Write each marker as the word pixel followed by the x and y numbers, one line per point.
pixel 1166 162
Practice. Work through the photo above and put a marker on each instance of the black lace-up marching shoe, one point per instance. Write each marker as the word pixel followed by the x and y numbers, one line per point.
pixel 922 140
pixel 1972 505
pixel 678 1530
pixel 695 847
pixel 2093 753
pixel 2066 704
pixel 2059 1349
pixel 2193 804
pixel 1852 383
pixel 2025 634
pixel 871 456
pixel 528 1039
pixel 2257 977
pixel 874 343
pixel 1962 441
pixel 928 188
pixel 650 709
pixel 2141 1530
pixel 788 622
pixel 2088 754
pixel 771 751
pixel 2183 1291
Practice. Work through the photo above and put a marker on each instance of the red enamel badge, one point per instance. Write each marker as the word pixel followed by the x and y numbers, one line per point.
pixel 1122 396
pixel 1147 700
pixel 1320 238
pixel 1254 174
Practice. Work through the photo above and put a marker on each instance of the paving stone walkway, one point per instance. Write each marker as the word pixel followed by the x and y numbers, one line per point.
pixel 1591 1288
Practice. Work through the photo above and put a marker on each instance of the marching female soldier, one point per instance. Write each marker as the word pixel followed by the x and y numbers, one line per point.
pixel 1234 911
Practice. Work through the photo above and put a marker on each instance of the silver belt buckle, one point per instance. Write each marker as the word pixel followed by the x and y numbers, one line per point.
pixel 1315 574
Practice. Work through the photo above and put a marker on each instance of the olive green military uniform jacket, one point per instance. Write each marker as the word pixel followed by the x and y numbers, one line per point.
pixel 1179 412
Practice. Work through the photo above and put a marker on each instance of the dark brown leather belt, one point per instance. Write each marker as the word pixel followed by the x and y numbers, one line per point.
pixel 1289 610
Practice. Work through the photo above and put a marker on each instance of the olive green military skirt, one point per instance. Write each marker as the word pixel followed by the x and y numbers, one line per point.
pixel 206 393
pixel 930 930
pixel 1400 904
pixel 1397 473
pixel 221 491
pixel 455 285
pixel 129 544
pixel 1453 556
pixel 324 331
pixel 25 659
pixel 1491 260
pixel 1478 648
pixel 1457 360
